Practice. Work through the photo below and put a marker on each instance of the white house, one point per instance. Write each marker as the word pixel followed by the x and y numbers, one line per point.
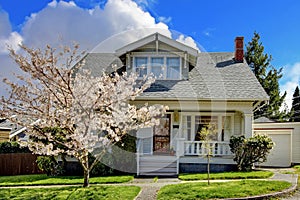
pixel 200 88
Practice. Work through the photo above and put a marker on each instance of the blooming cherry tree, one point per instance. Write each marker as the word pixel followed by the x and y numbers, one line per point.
pixel 92 113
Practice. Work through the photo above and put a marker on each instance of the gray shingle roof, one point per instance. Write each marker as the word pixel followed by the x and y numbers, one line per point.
pixel 101 62
pixel 215 77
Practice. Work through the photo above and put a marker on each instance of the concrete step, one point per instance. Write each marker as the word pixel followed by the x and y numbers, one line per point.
pixel 158 165
pixel 154 174
pixel 158 158
pixel 159 169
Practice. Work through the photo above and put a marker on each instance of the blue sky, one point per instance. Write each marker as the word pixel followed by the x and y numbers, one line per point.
pixel 212 24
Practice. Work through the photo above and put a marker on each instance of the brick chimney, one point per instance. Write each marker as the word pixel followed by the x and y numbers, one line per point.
pixel 239 49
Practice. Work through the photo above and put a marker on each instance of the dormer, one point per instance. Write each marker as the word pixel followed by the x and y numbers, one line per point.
pixel 165 58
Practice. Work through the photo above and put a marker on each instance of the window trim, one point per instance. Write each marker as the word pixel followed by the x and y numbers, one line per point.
pixel 149 67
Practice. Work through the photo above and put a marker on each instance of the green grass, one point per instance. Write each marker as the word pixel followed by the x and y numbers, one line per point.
pixel 42 179
pixel 227 175
pixel 215 190
pixel 94 192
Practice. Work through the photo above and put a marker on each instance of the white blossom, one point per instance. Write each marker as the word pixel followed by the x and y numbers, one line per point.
pixel 77 112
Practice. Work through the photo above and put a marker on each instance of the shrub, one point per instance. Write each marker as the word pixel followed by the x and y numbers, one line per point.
pixel 49 165
pixel 251 150
pixel 12 147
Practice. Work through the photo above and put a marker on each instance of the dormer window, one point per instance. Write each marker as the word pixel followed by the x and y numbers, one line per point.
pixel 162 67
pixel 141 64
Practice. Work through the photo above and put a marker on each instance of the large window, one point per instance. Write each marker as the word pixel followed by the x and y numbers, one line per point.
pixel 157 67
pixel 162 67
pixel 220 125
pixel 173 68
pixel 141 64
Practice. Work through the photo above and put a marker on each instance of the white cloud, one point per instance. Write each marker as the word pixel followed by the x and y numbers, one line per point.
pixel 63 22
pixel 5 27
pixel 290 80
pixel 7 37
pixel 188 41
pixel 12 41
pixel 165 19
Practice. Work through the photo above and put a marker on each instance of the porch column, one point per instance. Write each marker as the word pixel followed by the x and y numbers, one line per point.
pixel 180 147
pixel 248 120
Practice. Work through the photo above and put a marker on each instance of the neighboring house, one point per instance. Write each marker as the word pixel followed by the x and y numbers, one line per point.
pixel 10 131
pixel 286 136
pixel 200 88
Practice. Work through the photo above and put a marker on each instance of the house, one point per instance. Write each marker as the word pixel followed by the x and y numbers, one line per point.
pixel 200 88
pixel 286 136
pixel 11 131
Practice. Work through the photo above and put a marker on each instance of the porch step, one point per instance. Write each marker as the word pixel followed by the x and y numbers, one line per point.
pixel 158 166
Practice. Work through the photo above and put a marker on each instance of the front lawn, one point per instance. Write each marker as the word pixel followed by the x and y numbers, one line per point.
pixel 227 175
pixel 94 192
pixel 231 189
pixel 42 179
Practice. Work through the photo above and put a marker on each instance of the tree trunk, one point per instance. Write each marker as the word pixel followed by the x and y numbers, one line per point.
pixel 208 169
pixel 86 178
pixel 86 171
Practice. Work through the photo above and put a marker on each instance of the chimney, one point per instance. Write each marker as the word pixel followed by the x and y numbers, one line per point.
pixel 239 49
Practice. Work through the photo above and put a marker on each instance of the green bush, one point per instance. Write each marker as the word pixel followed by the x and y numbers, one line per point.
pixel 251 150
pixel 49 165
pixel 12 147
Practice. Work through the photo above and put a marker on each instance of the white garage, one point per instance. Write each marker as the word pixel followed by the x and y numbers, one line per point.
pixel 281 154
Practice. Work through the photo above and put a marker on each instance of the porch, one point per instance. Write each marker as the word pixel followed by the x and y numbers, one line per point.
pixel 167 163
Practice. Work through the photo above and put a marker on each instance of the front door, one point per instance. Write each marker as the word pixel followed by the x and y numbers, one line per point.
pixel 161 135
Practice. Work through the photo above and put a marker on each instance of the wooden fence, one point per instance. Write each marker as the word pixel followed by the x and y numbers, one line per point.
pixel 18 164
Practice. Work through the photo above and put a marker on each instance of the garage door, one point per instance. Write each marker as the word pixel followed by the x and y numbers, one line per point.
pixel 280 155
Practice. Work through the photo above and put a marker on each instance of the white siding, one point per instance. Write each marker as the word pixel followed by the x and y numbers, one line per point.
pixel 237 123
pixel 146 135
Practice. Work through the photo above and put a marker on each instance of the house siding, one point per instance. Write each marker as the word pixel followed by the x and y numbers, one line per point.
pixel 4 135
pixel 237 124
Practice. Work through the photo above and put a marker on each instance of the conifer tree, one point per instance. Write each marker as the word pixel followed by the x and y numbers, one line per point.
pixel 295 111
pixel 268 77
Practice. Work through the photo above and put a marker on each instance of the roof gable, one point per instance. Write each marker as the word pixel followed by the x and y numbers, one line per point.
pixel 157 38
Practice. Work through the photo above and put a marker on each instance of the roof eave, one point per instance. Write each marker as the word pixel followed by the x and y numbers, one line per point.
pixel 155 37
pixel 141 98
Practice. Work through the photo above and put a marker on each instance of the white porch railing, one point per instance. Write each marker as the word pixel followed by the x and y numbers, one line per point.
pixel 201 148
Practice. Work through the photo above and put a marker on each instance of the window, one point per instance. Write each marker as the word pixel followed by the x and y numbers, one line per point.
pixel 157 67
pixel 221 124
pixel 203 123
pixel 173 68
pixel 162 67
pixel 141 66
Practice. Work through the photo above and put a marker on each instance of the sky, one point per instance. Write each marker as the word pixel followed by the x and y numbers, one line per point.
pixel 209 25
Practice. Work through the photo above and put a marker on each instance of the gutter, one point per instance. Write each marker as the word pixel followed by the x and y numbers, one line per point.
pixel 22 129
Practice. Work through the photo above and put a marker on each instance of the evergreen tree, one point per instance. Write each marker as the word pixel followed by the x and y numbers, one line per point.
pixel 295 111
pixel 257 59
pixel 268 77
